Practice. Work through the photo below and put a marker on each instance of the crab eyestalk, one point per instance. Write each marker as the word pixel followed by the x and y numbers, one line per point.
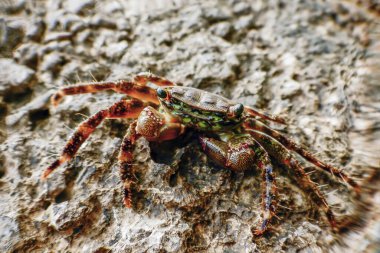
pixel 235 111
pixel 161 93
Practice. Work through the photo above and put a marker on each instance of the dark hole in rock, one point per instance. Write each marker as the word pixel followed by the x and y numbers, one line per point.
pixel 173 180
pixel 184 154
pixel 78 229
pixel 17 96
pixel 3 110
pixel 46 205
pixel 2 167
pixel 188 164
pixel 102 250
pixel 36 116
pixel 167 43
pixel 118 128
pixel 139 200
pixel 165 152
pixel 63 196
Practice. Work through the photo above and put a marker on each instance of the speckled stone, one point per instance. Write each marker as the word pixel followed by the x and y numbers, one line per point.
pixel 310 62
pixel 14 77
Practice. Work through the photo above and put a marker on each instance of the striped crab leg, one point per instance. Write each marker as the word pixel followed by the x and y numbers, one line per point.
pixel 122 109
pixel 251 124
pixel 136 88
pixel 154 127
pixel 264 115
pixel 144 77
pixel 126 163
pixel 280 153
pixel 132 89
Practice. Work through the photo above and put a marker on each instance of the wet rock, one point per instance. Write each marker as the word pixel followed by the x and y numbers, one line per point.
pixel 14 78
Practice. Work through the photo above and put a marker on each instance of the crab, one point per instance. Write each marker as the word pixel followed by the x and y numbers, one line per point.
pixel 231 135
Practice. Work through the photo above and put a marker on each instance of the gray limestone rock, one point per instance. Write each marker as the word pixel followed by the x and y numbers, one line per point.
pixel 312 62
pixel 11 35
pixel 14 78
pixel 9 233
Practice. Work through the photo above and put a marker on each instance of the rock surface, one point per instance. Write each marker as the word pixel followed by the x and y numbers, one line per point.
pixel 311 61
pixel 14 78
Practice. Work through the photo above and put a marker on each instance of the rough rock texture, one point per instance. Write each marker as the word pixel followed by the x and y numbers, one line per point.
pixel 315 62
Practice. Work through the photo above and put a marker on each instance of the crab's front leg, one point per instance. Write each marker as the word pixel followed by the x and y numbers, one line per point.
pixel 152 125
pixel 239 154
pixel 132 89
pixel 122 109
pixel 125 162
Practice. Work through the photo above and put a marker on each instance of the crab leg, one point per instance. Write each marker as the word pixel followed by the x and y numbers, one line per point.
pixel 145 77
pixel 239 154
pixel 132 89
pixel 269 192
pixel 125 162
pixel 264 115
pixel 278 151
pixel 290 144
pixel 122 109
pixel 154 127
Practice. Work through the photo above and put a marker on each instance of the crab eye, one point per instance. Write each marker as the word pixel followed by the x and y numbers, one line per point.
pixel 161 93
pixel 237 110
